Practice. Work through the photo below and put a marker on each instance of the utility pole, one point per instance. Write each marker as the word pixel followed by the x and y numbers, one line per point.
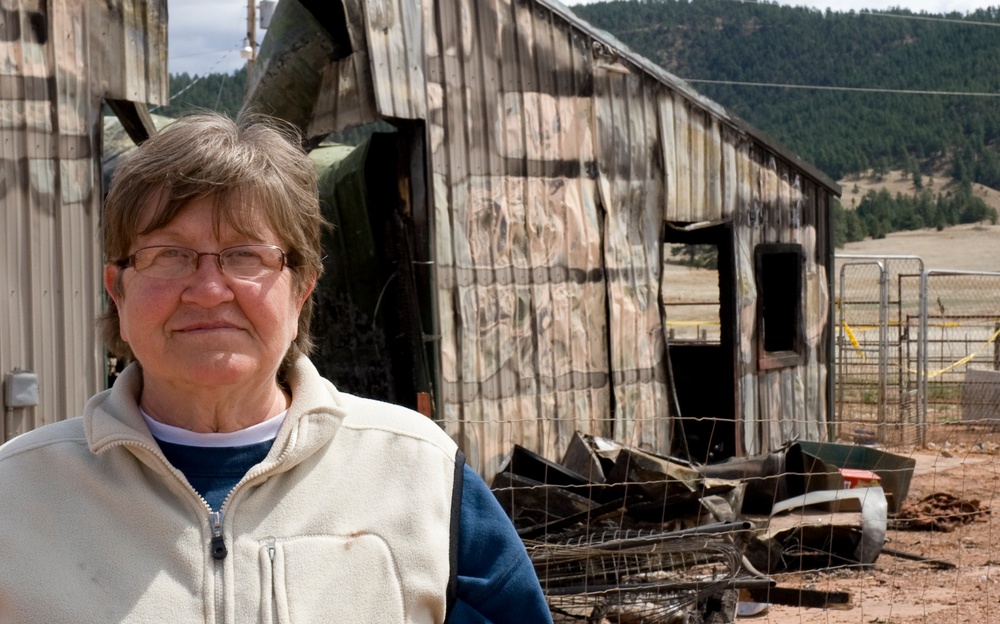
pixel 251 33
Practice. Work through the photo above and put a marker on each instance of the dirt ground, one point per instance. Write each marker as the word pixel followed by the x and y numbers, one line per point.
pixel 898 590
pixel 961 461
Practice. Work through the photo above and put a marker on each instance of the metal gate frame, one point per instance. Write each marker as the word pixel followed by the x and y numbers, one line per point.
pixel 885 265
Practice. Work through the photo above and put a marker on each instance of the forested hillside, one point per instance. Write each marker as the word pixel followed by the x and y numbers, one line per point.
pixel 218 92
pixel 849 92
pixel 904 68
pixel 908 71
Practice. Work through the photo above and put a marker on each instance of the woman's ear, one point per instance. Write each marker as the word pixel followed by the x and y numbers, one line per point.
pixel 308 286
pixel 111 283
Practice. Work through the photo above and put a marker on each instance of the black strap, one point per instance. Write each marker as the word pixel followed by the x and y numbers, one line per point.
pixel 456 515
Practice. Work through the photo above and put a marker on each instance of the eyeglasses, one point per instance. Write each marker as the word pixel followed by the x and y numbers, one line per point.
pixel 244 261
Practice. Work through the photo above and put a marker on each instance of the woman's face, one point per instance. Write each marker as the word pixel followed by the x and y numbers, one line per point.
pixel 207 329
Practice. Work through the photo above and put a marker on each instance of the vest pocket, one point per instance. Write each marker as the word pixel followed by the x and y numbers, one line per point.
pixel 329 578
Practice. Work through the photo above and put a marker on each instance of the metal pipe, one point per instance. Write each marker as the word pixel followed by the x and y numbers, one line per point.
pixel 883 349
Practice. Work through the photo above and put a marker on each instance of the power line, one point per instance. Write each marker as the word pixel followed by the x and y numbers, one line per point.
pixel 202 53
pixel 779 85
pixel 862 13
pixel 929 18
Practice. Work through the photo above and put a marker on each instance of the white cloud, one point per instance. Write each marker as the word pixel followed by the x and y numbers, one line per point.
pixel 206 36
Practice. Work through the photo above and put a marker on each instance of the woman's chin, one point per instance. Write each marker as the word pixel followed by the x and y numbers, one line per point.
pixel 212 371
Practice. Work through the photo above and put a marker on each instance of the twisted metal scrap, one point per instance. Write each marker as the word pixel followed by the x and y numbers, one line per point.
pixel 635 576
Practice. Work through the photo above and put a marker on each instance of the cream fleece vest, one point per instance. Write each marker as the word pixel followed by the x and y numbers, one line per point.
pixel 348 519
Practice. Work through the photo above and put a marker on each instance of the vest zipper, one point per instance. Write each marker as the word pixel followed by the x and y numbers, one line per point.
pixel 217 547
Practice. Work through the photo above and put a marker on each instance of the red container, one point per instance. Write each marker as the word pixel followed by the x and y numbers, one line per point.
pixel 857 478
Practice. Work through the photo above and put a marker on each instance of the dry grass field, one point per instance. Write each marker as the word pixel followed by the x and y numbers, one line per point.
pixel 973 247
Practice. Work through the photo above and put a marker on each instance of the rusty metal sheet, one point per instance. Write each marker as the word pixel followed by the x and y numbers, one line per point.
pixel 126 45
pixel 730 179
pixel 394 31
pixel 346 96
pixel 668 149
pixel 684 212
pixel 60 60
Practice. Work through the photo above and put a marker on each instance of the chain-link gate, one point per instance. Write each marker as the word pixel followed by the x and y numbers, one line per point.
pixel 962 365
pixel 879 389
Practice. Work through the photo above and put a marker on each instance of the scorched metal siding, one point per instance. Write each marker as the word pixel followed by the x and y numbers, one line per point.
pixel 58 60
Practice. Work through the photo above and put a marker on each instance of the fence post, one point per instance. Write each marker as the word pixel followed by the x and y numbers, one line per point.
pixel 922 355
pixel 883 349
pixel 996 348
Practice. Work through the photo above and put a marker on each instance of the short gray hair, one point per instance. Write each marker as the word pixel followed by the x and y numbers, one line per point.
pixel 254 160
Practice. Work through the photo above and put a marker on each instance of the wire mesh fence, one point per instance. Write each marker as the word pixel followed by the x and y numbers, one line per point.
pixel 877 376
pixel 963 353
pixel 917 396
pixel 917 350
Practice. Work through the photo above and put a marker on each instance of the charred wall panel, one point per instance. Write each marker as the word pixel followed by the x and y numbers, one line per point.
pixel 554 158
pixel 520 279
pixel 632 197
pixel 781 206
pixel 61 59
pixel 394 30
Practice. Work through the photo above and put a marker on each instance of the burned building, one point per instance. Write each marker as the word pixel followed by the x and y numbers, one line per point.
pixel 501 263
pixel 518 218
pixel 60 64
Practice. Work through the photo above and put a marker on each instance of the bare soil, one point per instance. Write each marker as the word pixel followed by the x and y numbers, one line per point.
pixel 897 590
pixel 960 460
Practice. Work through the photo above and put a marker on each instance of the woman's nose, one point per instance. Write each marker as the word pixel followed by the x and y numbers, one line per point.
pixel 208 284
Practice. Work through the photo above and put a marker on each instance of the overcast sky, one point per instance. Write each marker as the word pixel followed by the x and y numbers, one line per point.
pixel 206 36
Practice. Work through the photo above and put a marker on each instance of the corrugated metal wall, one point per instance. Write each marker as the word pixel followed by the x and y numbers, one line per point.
pixel 780 205
pixel 555 158
pixel 57 61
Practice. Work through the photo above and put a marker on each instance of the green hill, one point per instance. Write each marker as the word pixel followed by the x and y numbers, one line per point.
pixel 849 92
pixel 902 69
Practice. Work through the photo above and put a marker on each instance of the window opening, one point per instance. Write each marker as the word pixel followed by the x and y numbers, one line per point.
pixel 779 305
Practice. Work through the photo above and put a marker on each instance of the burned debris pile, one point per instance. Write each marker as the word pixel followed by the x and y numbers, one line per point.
pixel 620 534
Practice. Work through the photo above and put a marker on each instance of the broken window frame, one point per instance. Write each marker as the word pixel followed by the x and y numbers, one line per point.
pixel 779 286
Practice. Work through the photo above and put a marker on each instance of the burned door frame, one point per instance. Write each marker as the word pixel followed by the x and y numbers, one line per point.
pixel 405 250
pixel 696 436
pixel 402 319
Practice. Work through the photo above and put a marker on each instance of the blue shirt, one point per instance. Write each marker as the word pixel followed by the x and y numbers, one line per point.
pixel 496 582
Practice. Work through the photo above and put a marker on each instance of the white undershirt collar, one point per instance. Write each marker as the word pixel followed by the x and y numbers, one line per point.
pixel 255 434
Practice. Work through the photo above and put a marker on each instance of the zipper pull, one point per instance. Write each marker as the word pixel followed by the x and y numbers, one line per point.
pixel 218 544
pixel 270 548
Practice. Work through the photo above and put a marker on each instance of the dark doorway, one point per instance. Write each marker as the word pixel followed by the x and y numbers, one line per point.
pixel 698 299
pixel 368 320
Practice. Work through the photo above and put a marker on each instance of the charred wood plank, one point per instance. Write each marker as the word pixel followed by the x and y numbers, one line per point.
pixel 809 598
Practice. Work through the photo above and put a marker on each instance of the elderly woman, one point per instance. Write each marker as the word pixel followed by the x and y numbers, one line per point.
pixel 222 479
